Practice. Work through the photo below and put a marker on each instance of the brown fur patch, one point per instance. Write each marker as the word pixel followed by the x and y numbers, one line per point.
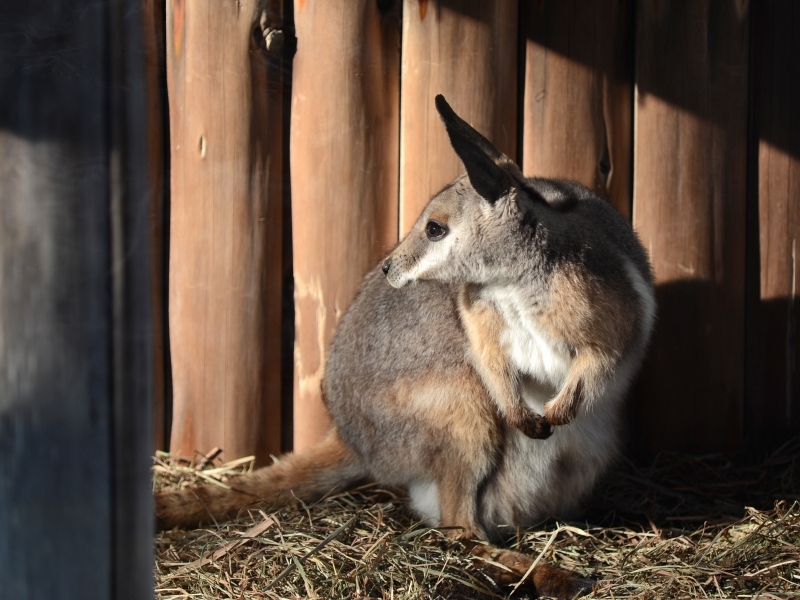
pixel 598 322
pixel 586 312
pixel 461 434
pixel 440 216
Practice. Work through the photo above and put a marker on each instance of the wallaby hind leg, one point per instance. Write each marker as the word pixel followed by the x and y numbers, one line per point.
pixel 545 580
pixel 457 501
pixel 305 476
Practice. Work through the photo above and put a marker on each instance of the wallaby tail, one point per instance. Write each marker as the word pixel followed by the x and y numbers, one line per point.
pixel 306 476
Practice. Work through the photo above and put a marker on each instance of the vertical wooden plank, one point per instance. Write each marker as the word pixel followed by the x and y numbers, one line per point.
pixel 774 376
pixel 577 108
pixel 344 175
pixel 153 46
pixel 54 332
pixel 75 337
pixel 225 231
pixel 466 50
pixel 689 210
pixel 132 304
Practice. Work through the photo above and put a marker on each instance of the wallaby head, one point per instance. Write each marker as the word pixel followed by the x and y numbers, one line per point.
pixel 453 239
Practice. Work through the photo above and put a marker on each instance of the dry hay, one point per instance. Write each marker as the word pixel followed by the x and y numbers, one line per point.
pixel 683 527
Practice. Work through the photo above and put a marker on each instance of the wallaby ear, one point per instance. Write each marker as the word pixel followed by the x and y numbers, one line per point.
pixel 479 156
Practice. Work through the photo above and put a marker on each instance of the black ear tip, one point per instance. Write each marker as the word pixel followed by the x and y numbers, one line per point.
pixel 441 105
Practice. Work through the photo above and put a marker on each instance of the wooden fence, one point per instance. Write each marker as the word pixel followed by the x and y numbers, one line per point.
pixel 682 113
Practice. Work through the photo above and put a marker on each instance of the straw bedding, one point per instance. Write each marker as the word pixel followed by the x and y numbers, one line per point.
pixel 681 527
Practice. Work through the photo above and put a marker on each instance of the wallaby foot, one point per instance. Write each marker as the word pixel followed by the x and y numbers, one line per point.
pixel 544 580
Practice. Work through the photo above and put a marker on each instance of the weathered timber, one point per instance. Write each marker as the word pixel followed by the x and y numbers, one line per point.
pixel 466 50
pixel 577 107
pixel 772 360
pixel 345 103
pixel 689 210
pixel 225 106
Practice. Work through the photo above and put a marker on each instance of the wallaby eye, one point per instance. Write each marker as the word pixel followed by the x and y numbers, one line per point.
pixel 435 231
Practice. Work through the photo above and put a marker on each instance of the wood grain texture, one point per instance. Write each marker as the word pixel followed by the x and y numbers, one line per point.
pixel 689 210
pixel 577 108
pixel 774 376
pixel 466 50
pixel 75 300
pixel 344 175
pixel 225 231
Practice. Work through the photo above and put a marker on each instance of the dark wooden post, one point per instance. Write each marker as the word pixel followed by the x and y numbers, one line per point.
pixel 344 175
pixel 153 44
pixel 773 364
pixel 689 209
pixel 75 304
pixel 226 114
pixel 466 50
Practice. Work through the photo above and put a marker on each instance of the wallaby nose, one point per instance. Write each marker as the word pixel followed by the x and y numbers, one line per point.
pixel 387 264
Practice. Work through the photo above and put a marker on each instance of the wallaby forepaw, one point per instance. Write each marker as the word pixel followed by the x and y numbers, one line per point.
pixel 556 414
pixel 533 425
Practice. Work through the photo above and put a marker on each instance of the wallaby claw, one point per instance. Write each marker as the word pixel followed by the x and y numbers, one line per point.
pixel 534 425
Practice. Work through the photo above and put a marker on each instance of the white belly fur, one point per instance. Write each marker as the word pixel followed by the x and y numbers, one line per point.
pixel 540 478
pixel 425 501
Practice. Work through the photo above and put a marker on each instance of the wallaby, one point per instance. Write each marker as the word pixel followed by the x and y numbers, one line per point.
pixel 482 365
